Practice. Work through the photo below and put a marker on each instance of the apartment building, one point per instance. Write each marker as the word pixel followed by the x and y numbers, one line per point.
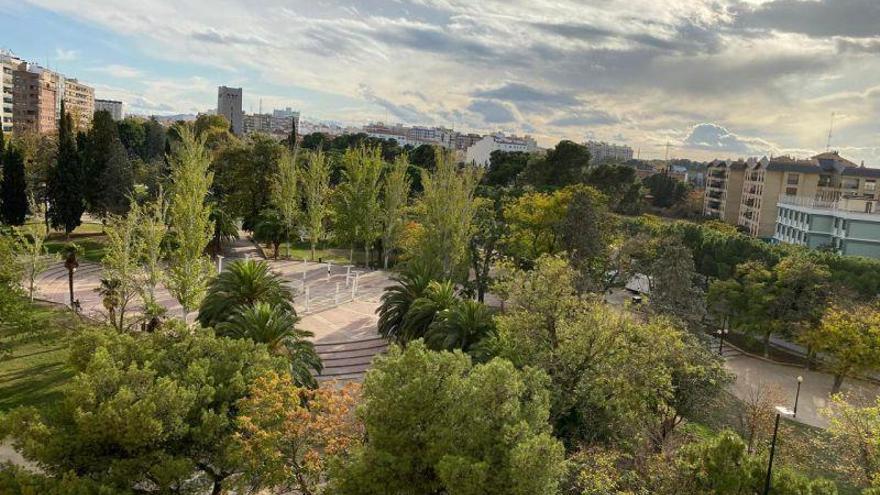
pixel 229 101
pixel 848 225
pixel 724 186
pixel 113 107
pixel 36 99
pixel 8 64
pixel 767 179
pixel 480 152
pixel 269 123
pixel 601 151
pixel 79 100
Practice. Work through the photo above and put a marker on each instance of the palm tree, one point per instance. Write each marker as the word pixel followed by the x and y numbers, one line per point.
pixel 410 284
pixel 437 298
pixel 275 326
pixel 243 284
pixel 225 228
pixel 460 327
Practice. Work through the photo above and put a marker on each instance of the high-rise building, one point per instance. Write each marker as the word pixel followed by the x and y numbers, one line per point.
pixel 79 100
pixel 601 151
pixel 724 189
pixel 229 106
pixel 35 99
pixel 8 64
pixel 827 177
pixel 113 107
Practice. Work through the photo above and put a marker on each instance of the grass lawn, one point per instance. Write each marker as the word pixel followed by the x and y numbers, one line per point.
pixel 799 446
pixel 33 373
pixel 300 250
pixel 88 237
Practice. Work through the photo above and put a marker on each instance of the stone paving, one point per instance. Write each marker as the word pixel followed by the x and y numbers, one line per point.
pixel 338 305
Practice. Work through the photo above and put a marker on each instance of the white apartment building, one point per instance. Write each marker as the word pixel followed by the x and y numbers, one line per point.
pixel 8 64
pixel 601 151
pixel 480 152
pixel 278 123
pixel 229 102
pixel 113 107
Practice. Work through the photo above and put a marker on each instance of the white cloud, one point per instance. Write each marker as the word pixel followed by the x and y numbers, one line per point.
pixel 62 55
pixel 566 68
pixel 119 71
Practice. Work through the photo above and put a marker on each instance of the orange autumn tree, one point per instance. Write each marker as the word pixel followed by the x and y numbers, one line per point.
pixel 288 435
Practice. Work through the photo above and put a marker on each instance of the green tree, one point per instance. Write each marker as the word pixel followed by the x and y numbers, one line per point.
pixel 271 228
pixel 357 200
pixel 189 217
pixel 462 326
pixel 665 191
pixel 505 167
pixel 35 258
pixel 395 194
pixel 243 284
pixel 565 164
pixel 586 231
pixel 620 184
pixel 133 134
pixel 446 210
pixel 673 281
pixel 13 187
pixel 533 222
pixel 284 192
pixel 410 284
pixel 424 311
pixel 107 171
pixel 151 235
pixel 435 423
pixel 855 431
pixel 483 248
pixel 66 181
pixel 316 194
pixel 850 340
pixel 121 268
pixel 146 412
pixel 275 326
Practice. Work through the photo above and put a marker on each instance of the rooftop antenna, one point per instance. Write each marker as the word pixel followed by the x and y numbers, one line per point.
pixel 830 130
pixel 261 106
pixel 639 153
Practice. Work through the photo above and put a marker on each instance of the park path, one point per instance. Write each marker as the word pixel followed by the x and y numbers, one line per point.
pixel 335 302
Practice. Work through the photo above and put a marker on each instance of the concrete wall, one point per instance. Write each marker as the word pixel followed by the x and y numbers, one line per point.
pixel 856 248
pixel 864 230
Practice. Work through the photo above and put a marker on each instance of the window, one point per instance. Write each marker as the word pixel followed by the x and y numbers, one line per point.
pixel 824 180
pixel 793 179
pixel 850 183
pixel 870 185
pixel 791 191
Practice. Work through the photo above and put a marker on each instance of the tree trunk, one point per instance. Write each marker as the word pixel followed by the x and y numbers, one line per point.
pixel 367 254
pixel 351 254
pixel 313 251
pixel 838 382
pixel 767 345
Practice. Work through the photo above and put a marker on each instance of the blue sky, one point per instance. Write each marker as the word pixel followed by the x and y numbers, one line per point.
pixel 714 78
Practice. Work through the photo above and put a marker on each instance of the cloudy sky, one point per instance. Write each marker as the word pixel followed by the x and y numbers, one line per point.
pixel 713 78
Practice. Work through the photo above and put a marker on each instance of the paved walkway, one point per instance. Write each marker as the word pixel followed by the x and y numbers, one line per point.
pixel 753 373
pixel 336 302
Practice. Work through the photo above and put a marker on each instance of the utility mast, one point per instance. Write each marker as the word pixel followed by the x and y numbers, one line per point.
pixel 830 130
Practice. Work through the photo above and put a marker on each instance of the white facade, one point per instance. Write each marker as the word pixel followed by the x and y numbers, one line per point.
pixel 113 107
pixel 601 151
pixel 229 105
pixel 275 123
pixel 480 152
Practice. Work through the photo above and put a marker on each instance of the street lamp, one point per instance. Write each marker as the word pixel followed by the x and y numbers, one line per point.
pixel 219 263
pixel 721 333
pixel 780 411
pixel 797 395
pixel 71 264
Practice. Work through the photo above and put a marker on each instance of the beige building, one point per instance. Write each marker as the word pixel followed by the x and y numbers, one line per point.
pixel 826 177
pixel 8 64
pixel 724 181
pixel 79 100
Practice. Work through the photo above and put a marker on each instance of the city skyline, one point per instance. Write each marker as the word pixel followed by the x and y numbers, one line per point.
pixel 715 79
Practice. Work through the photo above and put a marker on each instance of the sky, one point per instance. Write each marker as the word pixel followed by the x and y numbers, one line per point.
pixel 712 78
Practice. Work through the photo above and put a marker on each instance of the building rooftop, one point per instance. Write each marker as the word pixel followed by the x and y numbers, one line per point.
pixel 861 172
pixel 786 164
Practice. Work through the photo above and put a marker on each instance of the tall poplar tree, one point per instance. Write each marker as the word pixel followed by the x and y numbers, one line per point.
pixel 189 215
pixel 65 188
pixel 316 191
pixel 395 193
pixel 357 201
pixel 284 196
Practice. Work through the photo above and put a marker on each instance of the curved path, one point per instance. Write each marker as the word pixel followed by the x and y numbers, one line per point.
pixel 338 305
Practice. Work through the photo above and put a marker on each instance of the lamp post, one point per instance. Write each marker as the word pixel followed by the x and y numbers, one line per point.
pixel 721 333
pixel 219 263
pixel 780 411
pixel 797 395
pixel 71 264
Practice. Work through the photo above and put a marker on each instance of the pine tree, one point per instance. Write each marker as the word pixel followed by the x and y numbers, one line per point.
pixel 66 181
pixel 13 195
pixel 108 177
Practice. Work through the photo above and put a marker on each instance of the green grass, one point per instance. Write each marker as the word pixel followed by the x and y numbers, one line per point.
pixel 88 236
pixel 35 369
pixel 298 251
